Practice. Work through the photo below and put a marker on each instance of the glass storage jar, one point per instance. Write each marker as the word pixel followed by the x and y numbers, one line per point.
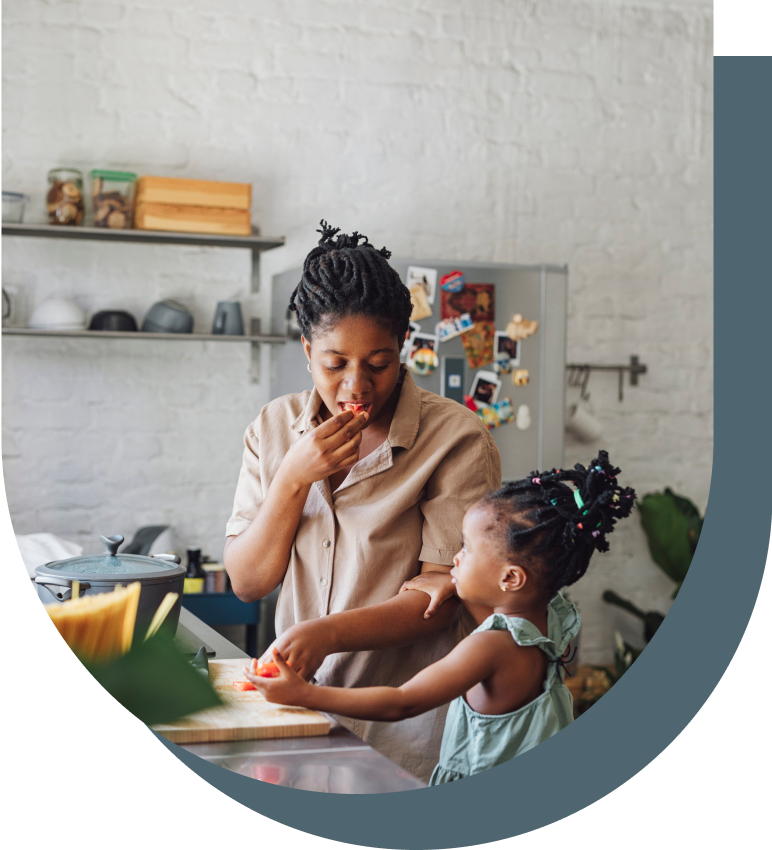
pixel 113 195
pixel 64 201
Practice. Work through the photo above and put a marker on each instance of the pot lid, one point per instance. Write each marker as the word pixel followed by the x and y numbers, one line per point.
pixel 111 566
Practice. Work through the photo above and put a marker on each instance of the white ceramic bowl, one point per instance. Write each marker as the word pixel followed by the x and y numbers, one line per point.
pixel 58 314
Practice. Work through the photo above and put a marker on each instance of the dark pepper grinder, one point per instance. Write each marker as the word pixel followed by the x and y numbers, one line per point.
pixel 194 564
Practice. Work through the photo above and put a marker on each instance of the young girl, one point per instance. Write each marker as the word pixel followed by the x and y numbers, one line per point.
pixel 520 545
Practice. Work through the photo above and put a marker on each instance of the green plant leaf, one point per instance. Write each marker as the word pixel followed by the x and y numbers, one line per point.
pixel 692 514
pixel 669 531
pixel 652 620
pixel 155 682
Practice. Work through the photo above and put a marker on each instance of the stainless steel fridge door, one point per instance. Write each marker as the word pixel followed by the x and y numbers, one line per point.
pixel 538 292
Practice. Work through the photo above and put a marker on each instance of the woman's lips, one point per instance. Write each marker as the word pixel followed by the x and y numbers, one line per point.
pixel 355 407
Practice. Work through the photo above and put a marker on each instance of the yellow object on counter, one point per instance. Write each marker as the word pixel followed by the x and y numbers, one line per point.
pixel 193 585
pixel 100 626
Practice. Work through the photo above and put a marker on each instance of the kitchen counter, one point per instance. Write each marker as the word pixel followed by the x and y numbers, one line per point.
pixel 339 763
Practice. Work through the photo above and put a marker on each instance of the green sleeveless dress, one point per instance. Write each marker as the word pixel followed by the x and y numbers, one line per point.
pixel 473 742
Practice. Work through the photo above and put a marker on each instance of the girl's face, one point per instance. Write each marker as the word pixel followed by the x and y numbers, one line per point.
pixel 356 360
pixel 478 567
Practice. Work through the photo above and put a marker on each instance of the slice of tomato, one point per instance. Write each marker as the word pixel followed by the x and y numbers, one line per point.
pixel 269 670
pixel 354 408
pixel 244 686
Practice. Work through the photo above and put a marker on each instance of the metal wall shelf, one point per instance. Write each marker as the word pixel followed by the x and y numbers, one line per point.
pixel 254 243
pixel 258 338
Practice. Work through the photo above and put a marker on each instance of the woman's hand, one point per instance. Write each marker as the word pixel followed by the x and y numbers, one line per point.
pixel 326 449
pixel 287 688
pixel 305 646
pixel 438 585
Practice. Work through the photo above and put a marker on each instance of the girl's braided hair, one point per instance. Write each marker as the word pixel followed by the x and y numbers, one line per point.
pixel 555 528
pixel 346 276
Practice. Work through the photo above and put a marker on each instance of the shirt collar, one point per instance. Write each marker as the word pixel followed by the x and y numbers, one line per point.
pixel 404 425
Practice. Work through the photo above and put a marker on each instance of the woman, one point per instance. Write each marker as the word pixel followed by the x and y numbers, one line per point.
pixel 351 489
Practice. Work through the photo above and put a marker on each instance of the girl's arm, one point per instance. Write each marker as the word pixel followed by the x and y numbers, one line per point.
pixel 397 622
pixel 473 660
pixel 267 541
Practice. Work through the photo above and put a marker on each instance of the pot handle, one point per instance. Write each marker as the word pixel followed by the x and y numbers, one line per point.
pixel 60 582
pixel 175 558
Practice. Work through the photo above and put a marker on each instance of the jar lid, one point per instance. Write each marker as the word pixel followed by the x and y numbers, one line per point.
pixel 65 170
pixel 122 176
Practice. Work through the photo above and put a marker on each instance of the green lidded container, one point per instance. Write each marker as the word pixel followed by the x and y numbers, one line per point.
pixel 113 196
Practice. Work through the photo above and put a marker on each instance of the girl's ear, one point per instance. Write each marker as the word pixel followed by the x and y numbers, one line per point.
pixel 513 578
pixel 306 347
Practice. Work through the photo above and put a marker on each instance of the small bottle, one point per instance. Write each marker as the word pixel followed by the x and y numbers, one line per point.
pixel 194 577
pixel 194 564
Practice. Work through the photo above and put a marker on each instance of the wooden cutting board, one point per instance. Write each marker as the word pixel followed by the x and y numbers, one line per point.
pixel 244 715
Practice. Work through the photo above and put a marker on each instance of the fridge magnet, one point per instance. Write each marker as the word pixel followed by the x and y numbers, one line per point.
pixel 469 402
pixel 520 377
pixel 477 299
pixel 423 359
pixel 478 344
pixel 452 372
pixel 506 348
pixel 426 278
pixel 421 308
pixel 495 415
pixel 521 328
pixel 523 417
pixel 485 388
pixel 414 329
pixel 501 365
pixel 451 328
pixel 452 282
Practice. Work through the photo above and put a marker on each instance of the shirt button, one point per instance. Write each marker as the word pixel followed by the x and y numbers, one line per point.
pixel 326 544
pixel 323 582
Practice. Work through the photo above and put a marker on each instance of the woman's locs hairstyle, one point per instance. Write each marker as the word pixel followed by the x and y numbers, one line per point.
pixel 346 276
pixel 555 527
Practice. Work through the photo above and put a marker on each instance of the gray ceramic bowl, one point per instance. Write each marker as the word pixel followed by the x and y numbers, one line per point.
pixel 169 317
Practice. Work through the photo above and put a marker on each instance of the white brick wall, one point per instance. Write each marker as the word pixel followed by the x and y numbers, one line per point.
pixel 564 131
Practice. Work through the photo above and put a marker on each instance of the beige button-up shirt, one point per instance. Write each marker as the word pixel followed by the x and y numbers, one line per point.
pixel 398 507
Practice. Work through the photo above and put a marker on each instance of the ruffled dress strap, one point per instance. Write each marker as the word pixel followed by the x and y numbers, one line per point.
pixel 563 624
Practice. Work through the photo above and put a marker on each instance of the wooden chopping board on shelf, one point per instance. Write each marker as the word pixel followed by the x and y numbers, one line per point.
pixel 244 715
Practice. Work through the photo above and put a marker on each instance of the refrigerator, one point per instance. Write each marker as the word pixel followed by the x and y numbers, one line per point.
pixel 536 292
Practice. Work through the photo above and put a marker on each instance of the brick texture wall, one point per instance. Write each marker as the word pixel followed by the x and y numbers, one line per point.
pixel 576 132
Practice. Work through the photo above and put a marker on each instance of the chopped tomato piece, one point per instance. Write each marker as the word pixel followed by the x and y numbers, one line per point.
pixel 354 408
pixel 244 686
pixel 269 670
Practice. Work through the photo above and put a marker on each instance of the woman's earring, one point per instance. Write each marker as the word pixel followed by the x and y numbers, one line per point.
pixel 503 587
pixel 308 366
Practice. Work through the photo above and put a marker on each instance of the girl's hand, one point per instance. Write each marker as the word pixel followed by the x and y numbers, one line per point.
pixel 437 585
pixel 288 688
pixel 326 449
pixel 304 645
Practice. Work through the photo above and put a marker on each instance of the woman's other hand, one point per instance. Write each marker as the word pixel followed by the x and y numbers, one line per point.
pixel 438 585
pixel 303 645
pixel 287 688
pixel 326 449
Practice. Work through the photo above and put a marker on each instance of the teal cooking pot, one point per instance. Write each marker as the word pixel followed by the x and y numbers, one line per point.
pixel 158 575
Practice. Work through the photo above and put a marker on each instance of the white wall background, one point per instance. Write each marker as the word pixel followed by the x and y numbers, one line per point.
pixel 576 132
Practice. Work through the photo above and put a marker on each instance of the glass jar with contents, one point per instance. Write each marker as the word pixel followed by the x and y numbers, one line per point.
pixel 113 194
pixel 64 201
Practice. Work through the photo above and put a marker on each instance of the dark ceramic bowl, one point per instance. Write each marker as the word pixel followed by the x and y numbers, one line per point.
pixel 112 320
pixel 168 317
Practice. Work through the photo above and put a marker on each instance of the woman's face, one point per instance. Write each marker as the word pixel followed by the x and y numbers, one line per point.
pixel 355 361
